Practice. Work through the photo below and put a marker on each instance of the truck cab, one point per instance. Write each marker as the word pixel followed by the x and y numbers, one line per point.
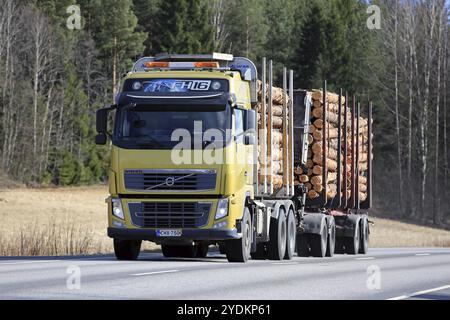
pixel 182 153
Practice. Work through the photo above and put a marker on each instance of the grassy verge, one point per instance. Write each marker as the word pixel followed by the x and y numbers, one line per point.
pixel 66 221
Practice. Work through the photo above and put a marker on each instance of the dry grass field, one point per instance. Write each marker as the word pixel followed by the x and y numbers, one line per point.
pixel 62 221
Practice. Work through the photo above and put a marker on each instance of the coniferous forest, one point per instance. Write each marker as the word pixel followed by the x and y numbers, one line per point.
pixel 57 69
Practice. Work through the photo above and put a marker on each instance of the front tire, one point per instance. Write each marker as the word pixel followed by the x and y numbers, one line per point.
pixel 276 247
pixel 238 250
pixel 127 249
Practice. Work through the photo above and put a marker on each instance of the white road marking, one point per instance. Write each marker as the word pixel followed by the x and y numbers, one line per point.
pixel 152 273
pixel 418 293
pixel 29 262
pixel 284 263
pixel 365 258
pixel 422 254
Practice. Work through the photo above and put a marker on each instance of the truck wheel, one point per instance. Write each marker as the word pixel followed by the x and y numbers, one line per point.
pixel 302 245
pixel 238 250
pixel 331 242
pixel 290 236
pixel 276 247
pixel 127 249
pixel 364 241
pixel 319 243
pixel 202 250
pixel 260 253
pixel 352 243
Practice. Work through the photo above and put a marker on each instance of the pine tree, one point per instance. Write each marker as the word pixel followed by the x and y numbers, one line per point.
pixel 310 46
pixel 248 28
pixel 146 11
pixel 183 26
pixel 281 17
pixel 114 30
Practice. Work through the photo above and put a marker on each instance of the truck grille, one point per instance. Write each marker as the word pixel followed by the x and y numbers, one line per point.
pixel 170 180
pixel 169 214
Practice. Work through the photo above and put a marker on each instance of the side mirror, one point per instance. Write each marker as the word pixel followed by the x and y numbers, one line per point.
pixel 102 120
pixel 100 139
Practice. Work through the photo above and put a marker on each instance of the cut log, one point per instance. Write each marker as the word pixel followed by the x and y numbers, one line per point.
pixel 304 178
pixel 331 133
pixel 312 194
pixel 331 164
pixel 317 150
pixel 317 180
pixel 331 116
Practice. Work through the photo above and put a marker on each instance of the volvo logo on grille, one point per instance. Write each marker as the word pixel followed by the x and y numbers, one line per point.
pixel 170 181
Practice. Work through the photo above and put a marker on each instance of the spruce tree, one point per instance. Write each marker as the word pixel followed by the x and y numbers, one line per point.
pixel 247 25
pixel 183 26
pixel 310 47
pixel 114 30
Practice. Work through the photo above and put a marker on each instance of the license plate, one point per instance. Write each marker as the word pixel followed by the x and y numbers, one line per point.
pixel 168 233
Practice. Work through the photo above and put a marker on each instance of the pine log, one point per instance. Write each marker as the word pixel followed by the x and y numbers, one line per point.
pixel 331 164
pixel 331 133
pixel 313 194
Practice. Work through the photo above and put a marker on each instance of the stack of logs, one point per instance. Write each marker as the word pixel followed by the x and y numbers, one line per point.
pixel 278 96
pixel 313 177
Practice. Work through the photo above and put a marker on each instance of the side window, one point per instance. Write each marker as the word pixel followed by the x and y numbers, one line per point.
pixel 239 125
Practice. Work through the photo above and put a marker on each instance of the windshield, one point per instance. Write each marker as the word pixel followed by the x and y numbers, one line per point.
pixel 161 127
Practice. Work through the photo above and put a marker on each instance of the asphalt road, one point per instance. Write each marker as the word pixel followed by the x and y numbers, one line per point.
pixel 399 273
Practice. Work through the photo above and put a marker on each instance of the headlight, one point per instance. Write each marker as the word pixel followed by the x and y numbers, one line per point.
pixel 222 208
pixel 117 209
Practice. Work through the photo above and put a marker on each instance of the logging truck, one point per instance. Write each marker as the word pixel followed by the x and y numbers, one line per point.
pixel 204 152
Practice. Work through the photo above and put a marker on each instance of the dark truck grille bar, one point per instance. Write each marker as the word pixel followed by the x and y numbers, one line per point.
pixel 169 214
pixel 170 180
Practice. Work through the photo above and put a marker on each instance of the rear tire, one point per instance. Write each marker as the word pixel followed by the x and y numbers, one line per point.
pixel 331 242
pixel 276 247
pixel 290 236
pixel 352 243
pixel 302 245
pixel 364 240
pixel 127 249
pixel 238 250
pixel 319 243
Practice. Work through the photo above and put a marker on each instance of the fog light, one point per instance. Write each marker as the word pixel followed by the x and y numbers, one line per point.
pixel 117 209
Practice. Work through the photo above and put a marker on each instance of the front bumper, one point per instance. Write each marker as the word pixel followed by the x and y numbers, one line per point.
pixel 187 234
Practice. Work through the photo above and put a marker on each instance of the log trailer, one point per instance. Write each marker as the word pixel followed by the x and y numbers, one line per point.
pixel 189 167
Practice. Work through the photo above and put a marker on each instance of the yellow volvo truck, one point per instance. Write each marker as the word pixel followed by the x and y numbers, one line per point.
pixel 184 165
